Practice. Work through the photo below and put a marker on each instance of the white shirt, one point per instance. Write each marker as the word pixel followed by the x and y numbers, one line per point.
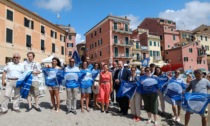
pixel 14 70
pixel 33 66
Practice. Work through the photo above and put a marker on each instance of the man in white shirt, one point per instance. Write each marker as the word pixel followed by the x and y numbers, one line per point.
pixel 30 64
pixel 71 101
pixel 13 70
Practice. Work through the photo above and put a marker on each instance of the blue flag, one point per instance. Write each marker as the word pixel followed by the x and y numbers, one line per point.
pixel 145 62
pixel 25 82
pixel 127 88
pixel 73 79
pixel 195 102
pixel 162 81
pixel 76 58
pixel 95 73
pixel 87 81
pixel 174 91
pixel 147 84
pixel 52 76
pixel 90 67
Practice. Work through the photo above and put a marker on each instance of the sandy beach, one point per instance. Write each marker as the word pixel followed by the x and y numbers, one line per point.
pixel 93 118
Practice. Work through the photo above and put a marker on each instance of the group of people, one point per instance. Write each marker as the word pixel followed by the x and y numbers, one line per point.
pixel 104 87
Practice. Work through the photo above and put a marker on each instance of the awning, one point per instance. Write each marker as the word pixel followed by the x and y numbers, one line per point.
pixel 135 63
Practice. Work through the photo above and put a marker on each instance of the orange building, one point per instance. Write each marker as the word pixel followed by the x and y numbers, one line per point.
pixel 22 31
pixel 109 40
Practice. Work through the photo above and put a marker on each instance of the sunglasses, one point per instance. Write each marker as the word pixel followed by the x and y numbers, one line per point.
pixel 133 70
pixel 71 61
pixel 15 57
pixel 176 72
pixel 146 70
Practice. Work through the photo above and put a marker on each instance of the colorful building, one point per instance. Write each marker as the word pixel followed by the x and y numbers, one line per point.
pixel 165 29
pixel 23 31
pixel 109 40
pixel 190 54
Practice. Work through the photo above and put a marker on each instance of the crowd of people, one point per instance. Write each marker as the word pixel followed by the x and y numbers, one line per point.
pixel 104 89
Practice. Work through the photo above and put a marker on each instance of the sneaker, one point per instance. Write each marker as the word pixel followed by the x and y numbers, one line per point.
pixel 178 119
pixel 174 118
pixel 28 109
pixel 74 112
pixel 38 109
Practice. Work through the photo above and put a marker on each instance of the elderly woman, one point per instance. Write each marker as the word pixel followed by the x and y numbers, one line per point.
pixel 136 100
pixel 105 89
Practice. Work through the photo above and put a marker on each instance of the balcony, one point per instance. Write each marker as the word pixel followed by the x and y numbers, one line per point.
pixel 201 55
pixel 123 55
pixel 122 30
pixel 144 49
pixel 122 43
pixel 157 58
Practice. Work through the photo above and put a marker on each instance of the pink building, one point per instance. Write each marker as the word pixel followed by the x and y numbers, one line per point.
pixel 109 40
pixel 164 28
pixel 191 54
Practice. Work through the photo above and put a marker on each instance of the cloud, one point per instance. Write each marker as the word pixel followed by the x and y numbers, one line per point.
pixel 135 21
pixel 79 38
pixel 191 16
pixel 55 5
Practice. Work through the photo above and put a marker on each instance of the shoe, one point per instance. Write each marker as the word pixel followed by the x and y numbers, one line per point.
pixel 178 119
pixel 67 112
pixel 107 111
pixel 137 119
pixel 125 113
pixel 17 110
pixel 28 109
pixel 102 111
pixel 74 112
pixel 38 109
pixel 174 118
pixel 82 110
pixel 2 113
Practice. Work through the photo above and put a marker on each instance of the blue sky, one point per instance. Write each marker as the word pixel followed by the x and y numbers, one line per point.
pixel 84 14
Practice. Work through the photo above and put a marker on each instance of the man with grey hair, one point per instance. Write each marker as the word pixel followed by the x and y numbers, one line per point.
pixel 12 71
pixel 198 85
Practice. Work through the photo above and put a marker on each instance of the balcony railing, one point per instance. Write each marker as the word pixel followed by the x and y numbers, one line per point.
pixel 144 48
pixel 123 43
pixel 122 30
pixel 123 55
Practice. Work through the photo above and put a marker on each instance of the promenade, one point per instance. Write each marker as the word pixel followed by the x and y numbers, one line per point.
pixel 93 118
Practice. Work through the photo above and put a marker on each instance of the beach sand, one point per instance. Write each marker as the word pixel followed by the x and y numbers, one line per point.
pixel 92 118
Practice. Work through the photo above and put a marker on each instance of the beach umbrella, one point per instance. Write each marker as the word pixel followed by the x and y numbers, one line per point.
pixel 171 67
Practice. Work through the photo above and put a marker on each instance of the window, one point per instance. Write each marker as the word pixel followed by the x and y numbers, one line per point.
pixel 53 34
pixel 70 53
pixel 115 39
pixel 9 15
pixel 161 37
pixel 169 22
pixel 62 50
pixel 168 46
pixel 9 35
pixel 92 45
pixel 166 52
pixel 183 35
pixel 100 30
pixel 150 53
pixel 115 25
pixel 100 53
pixel 70 37
pixel 158 44
pixel 174 37
pixel 172 29
pixel 115 51
pixel 42 45
pixel 126 41
pixel 53 47
pixel 95 44
pixel 42 29
pixel 137 45
pixel 61 38
pixel 137 56
pixel 95 33
pixel 154 43
pixel 198 61
pixel 126 27
pixel 207 47
pixel 201 37
pixel 28 23
pixel 206 38
pixel 190 50
pixel 95 55
pixel 8 59
pixel 91 35
pixel 185 59
pixel 150 43
pixel 70 44
pixel 28 41
pixel 161 48
pixel 101 42
pixel 204 62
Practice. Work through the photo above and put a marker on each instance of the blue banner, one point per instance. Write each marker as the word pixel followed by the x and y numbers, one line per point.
pixel 162 81
pixel 195 102
pixel 73 79
pixel 52 76
pixel 25 82
pixel 76 58
pixel 145 62
pixel 127 88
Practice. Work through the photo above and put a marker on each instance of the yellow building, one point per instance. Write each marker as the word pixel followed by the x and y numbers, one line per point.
pixel 22 31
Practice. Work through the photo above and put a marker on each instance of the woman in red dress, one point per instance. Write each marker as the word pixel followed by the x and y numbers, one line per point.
pixel 105 87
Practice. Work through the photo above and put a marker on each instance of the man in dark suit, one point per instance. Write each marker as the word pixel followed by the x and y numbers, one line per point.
pixel 122 74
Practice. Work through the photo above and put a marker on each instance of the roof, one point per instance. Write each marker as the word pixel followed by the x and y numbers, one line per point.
pixel 82 43
pixel 107 17
pixel 203 29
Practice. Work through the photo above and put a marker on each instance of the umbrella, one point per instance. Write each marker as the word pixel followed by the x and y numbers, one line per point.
pixel 171 67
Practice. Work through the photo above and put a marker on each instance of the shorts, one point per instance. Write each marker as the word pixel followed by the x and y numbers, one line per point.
pixel 57 87
pixel 205 114
pixel 150 102
pixel 86 90
pixel 34 89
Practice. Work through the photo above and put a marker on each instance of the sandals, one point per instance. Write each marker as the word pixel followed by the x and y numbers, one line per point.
pixel 82 110
pixel 149 121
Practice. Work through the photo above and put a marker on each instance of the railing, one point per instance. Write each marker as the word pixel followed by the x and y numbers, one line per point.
pixel 122 30
pixel 123 55
pixel 144 48
pixel 123 43
pixel 157 58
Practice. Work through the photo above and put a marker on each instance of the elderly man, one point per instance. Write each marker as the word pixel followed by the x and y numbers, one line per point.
pixel 30 64
pixel 71 101
pixel 122 74
pixel 12 71
pixel 198 85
